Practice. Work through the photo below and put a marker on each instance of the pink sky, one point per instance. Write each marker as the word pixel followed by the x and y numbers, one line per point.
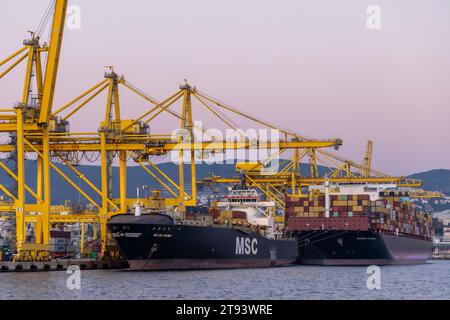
pixel 311 66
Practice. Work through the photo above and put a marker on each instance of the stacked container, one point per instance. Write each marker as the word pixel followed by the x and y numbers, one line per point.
pixel 340 205
pixel 60 243
pixel 392 213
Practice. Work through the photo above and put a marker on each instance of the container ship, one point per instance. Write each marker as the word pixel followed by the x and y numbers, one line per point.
pixel 239 232
pixel 359 225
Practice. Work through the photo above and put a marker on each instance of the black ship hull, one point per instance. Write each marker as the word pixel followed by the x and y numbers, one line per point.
pixel 341 247
pixel 154 242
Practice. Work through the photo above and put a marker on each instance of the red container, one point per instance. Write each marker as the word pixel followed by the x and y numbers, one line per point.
pixel 239 215
pixel 216 213
pixel 60 234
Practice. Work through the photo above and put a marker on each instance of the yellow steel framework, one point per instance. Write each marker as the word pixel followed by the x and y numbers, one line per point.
pixel 45 133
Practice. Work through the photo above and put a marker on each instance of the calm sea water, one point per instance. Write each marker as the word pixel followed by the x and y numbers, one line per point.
pixel 429 281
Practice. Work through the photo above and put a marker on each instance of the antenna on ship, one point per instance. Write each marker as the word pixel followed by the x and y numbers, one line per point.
pixel 137 206
pixel 327 197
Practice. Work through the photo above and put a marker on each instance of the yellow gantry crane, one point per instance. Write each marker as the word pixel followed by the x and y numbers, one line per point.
pixel 424 194
pixel 287 180
pixel 35 117
pixel 46 134
pixel 367 160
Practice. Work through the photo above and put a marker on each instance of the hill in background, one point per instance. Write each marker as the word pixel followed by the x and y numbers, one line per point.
pixel 435 180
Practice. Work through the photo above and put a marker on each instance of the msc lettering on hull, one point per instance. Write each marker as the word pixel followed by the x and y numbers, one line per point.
pixel 246 246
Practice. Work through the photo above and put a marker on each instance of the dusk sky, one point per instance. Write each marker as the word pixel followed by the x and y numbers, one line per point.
pixel 311 66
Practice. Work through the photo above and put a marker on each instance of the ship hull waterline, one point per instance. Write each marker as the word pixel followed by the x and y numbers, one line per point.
pixel 165 246
pixel 360 248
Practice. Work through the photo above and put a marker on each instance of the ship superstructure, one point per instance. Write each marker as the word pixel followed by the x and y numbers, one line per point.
pixel 257 212
pixel 164 240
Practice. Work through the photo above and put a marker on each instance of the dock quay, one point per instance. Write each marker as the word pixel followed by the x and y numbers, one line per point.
pixel 60 265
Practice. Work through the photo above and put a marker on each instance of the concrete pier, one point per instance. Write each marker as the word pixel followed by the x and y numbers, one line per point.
pixel 60 265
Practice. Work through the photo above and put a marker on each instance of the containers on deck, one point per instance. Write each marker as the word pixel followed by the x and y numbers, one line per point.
pixel 392 213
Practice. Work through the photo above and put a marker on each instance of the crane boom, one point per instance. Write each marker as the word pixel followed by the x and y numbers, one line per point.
pixel 367 160
pixel 51 70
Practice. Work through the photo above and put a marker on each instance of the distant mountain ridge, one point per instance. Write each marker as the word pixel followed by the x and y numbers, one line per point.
pixel 435 180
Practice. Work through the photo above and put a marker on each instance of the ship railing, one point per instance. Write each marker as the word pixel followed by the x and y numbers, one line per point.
pixel 411 235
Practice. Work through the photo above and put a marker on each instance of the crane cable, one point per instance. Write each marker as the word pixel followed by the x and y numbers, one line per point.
pixel 249 116
pixel 45 21
pixel 45 18
pixel 169 110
